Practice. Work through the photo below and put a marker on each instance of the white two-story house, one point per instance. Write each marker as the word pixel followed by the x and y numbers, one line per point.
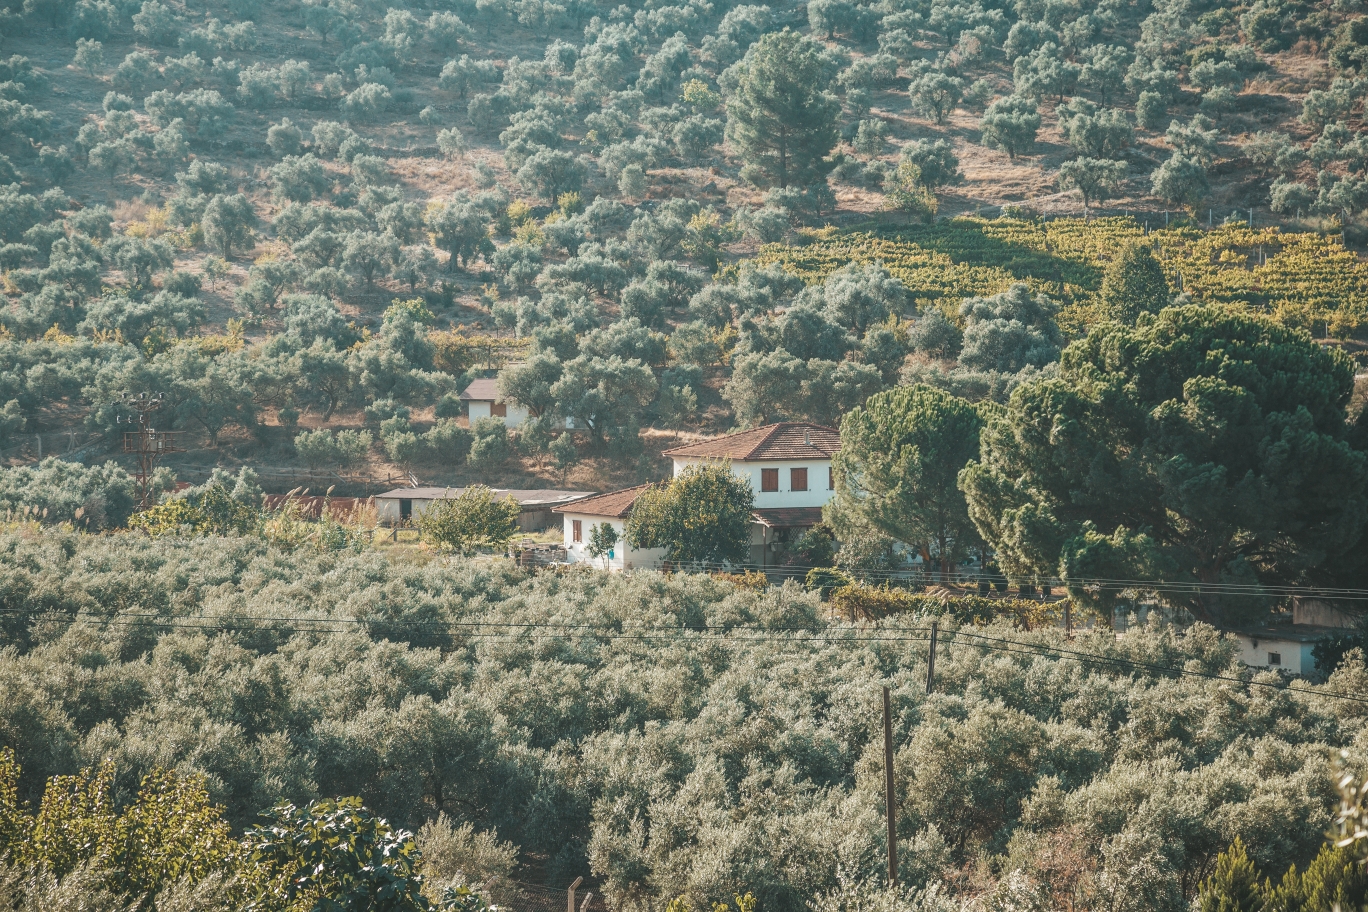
pixel 788 466
pixel 789 469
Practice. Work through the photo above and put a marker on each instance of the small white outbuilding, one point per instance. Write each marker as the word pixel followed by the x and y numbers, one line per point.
pixel 482 400
pixel 1284 648
pixel 610 509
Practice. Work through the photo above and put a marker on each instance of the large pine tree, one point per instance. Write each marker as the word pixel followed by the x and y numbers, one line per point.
pixel 780 117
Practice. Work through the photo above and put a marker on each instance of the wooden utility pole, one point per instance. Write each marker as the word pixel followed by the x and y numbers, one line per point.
pixel 889 796
pixel 931 659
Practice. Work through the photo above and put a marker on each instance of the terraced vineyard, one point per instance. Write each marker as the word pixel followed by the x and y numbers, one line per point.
pixel 1304 279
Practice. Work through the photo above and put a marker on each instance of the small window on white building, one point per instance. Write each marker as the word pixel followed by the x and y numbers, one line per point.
pixel 576 531
pixel 797 479
pixel 1275 658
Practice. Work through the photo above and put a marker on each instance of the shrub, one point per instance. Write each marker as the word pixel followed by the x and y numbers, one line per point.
pixel 56 491
pixel 860 601
pixel 825 580
pixel 749 580
pixel 474 519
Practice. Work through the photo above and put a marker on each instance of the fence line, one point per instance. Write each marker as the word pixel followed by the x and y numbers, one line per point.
pixel 292 474
pixel 34 447
pixel 525 897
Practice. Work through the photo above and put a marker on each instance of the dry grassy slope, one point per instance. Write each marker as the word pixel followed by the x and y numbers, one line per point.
pixel 1270 101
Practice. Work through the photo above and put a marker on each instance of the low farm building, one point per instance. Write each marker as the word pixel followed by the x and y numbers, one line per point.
pixel 403 504
pixel 610 509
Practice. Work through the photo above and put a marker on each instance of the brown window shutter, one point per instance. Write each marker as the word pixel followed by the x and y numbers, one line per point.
pixel 499 409
pixel 576 531
pixel 831 479
pixel 769 479
pixel 798 479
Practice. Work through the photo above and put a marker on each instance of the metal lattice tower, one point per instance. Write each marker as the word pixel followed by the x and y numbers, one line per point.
pixel 146 442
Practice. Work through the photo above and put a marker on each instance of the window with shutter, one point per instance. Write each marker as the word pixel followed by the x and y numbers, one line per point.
pixel 576 531
pixel 831 479
pixel 769 479
pixel 797 479
pixel 499 410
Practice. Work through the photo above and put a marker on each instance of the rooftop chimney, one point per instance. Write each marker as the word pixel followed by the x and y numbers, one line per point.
pixel 807 437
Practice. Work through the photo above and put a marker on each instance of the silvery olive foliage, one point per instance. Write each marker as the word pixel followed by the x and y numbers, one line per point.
pixel 735 751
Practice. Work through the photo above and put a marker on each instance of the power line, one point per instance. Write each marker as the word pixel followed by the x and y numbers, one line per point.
pixel 525 632
pixel 1175 586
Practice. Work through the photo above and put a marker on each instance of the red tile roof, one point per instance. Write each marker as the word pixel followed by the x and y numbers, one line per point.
pixel 788 517
pixel 483 390
pixel 530 500
pixel 788 440
pixel 616 504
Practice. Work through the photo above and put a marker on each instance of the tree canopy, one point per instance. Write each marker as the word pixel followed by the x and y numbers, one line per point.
pixel 1203 446
pixel 900 458
pixel 779 114
pixel 1134 283
pixel 475 518
pixel 702 516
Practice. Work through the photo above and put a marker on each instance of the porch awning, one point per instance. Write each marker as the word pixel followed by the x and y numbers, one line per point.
pixel 788 517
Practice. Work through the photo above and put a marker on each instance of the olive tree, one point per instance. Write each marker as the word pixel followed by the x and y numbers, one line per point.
pixel 228 221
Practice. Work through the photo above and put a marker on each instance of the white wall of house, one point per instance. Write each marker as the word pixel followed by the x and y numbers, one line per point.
pixel 1292 655
pixel 624 556
pixel 483 408
pixel 818 491
pixel 516 414
pixel 387 509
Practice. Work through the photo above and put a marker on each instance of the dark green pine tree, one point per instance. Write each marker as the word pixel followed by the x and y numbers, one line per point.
pixel 1133 284
pixel 1335 879
pixel 779 115
pixel 1233 886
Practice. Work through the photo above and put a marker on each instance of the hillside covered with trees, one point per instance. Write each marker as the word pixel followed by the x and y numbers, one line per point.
pixel 312 224
pixel 1079 281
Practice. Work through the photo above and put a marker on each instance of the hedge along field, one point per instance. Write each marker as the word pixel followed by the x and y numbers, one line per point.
pixel 671 734
pixel 1304 279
